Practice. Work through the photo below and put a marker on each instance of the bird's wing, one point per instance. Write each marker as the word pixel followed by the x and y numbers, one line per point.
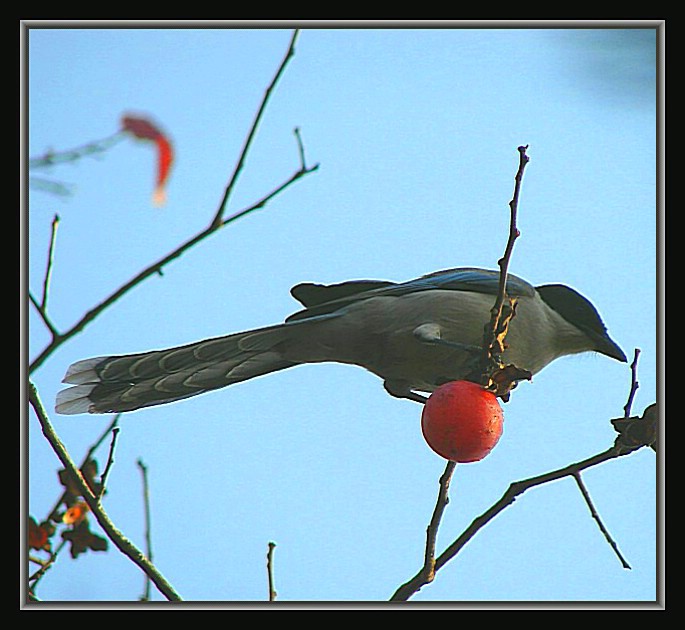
pixel 327 299
pixel 467 279
pixel 311 295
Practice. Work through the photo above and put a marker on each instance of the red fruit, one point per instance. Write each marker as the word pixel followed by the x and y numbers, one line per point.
pixel 462 421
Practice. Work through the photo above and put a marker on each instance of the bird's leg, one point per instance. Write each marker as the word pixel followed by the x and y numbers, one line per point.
pixel 403 392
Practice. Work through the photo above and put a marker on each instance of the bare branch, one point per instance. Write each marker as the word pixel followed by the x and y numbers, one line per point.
pixel 148 528
pixel 489 369
pixel 42 306
pixel 427 573
pixel 300 148
pixel 216 222
pixel 514 490
pixel 110 461
pixel 48 270
pixel 86 459
pixel 59 189
pixel 71 155
pixel 119 540
pixel 634 385
pixel 486 365
pixel 598 520
pixel 44 316
pixel 45 565
pixel 270 571
pixel 513 235
pixel 634 432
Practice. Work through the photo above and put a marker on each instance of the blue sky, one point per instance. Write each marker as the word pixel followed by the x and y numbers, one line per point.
pixel 416 132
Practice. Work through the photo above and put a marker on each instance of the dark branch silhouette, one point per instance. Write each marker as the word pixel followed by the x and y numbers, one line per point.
pixel 218 222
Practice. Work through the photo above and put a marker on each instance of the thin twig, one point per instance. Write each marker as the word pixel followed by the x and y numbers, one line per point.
pixel 258 205
pixel 634 385
pixel 148 527
pixel 581 484
pixel 156 268
pixel 119 540
pixel 86 459
pixel 44 316
pixel 71 155
pixel 514 490
pixel 270 571
pixel 48 269
pixel 489 363
pixel 47 564
pixel 50 186
pixel 427 572
pixel 216 221
pixel 110 461
pixel 588 500
pixel 300 148
pixel 432 529
pixel 513 234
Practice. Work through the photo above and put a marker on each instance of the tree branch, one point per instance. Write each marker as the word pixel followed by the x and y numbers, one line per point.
pixel 513 235
pixel 493 345
pixel 119 540
pixel 48 269
pixel 108 465
pixel 634 385
pixel 598 520
pixel 488 368
pixel 42 306
pixel 148 529
pixel 514 490
pixel 270 571
pixel 216 221
pixel 71 155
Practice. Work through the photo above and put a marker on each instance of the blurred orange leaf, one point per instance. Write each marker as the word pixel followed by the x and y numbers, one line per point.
pixel 75 514
pixel 145 129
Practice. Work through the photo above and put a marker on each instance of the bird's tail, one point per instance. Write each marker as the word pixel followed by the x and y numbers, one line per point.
pixel 128 382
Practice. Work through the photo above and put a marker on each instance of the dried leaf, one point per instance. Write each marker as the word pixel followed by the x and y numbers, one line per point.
pixel 82 539
pixel 635 431
pixel 89 471
pixel 39 535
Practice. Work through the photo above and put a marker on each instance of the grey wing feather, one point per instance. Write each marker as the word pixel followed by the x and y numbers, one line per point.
pixel 327 299
pixel 311 295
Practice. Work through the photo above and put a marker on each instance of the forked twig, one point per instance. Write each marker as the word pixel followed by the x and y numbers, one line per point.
pixel 514 490
pixel 110 462
pixel 493 339
pixel 634 385
pixel 119 540
pixel 218 222
pixel 42 306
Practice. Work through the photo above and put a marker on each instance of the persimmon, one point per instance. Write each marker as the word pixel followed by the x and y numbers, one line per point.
pixel 462 421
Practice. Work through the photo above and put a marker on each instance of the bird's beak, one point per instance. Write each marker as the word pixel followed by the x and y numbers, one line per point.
pixel 610 348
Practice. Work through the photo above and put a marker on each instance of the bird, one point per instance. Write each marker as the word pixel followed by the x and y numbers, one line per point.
pixel 414 335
